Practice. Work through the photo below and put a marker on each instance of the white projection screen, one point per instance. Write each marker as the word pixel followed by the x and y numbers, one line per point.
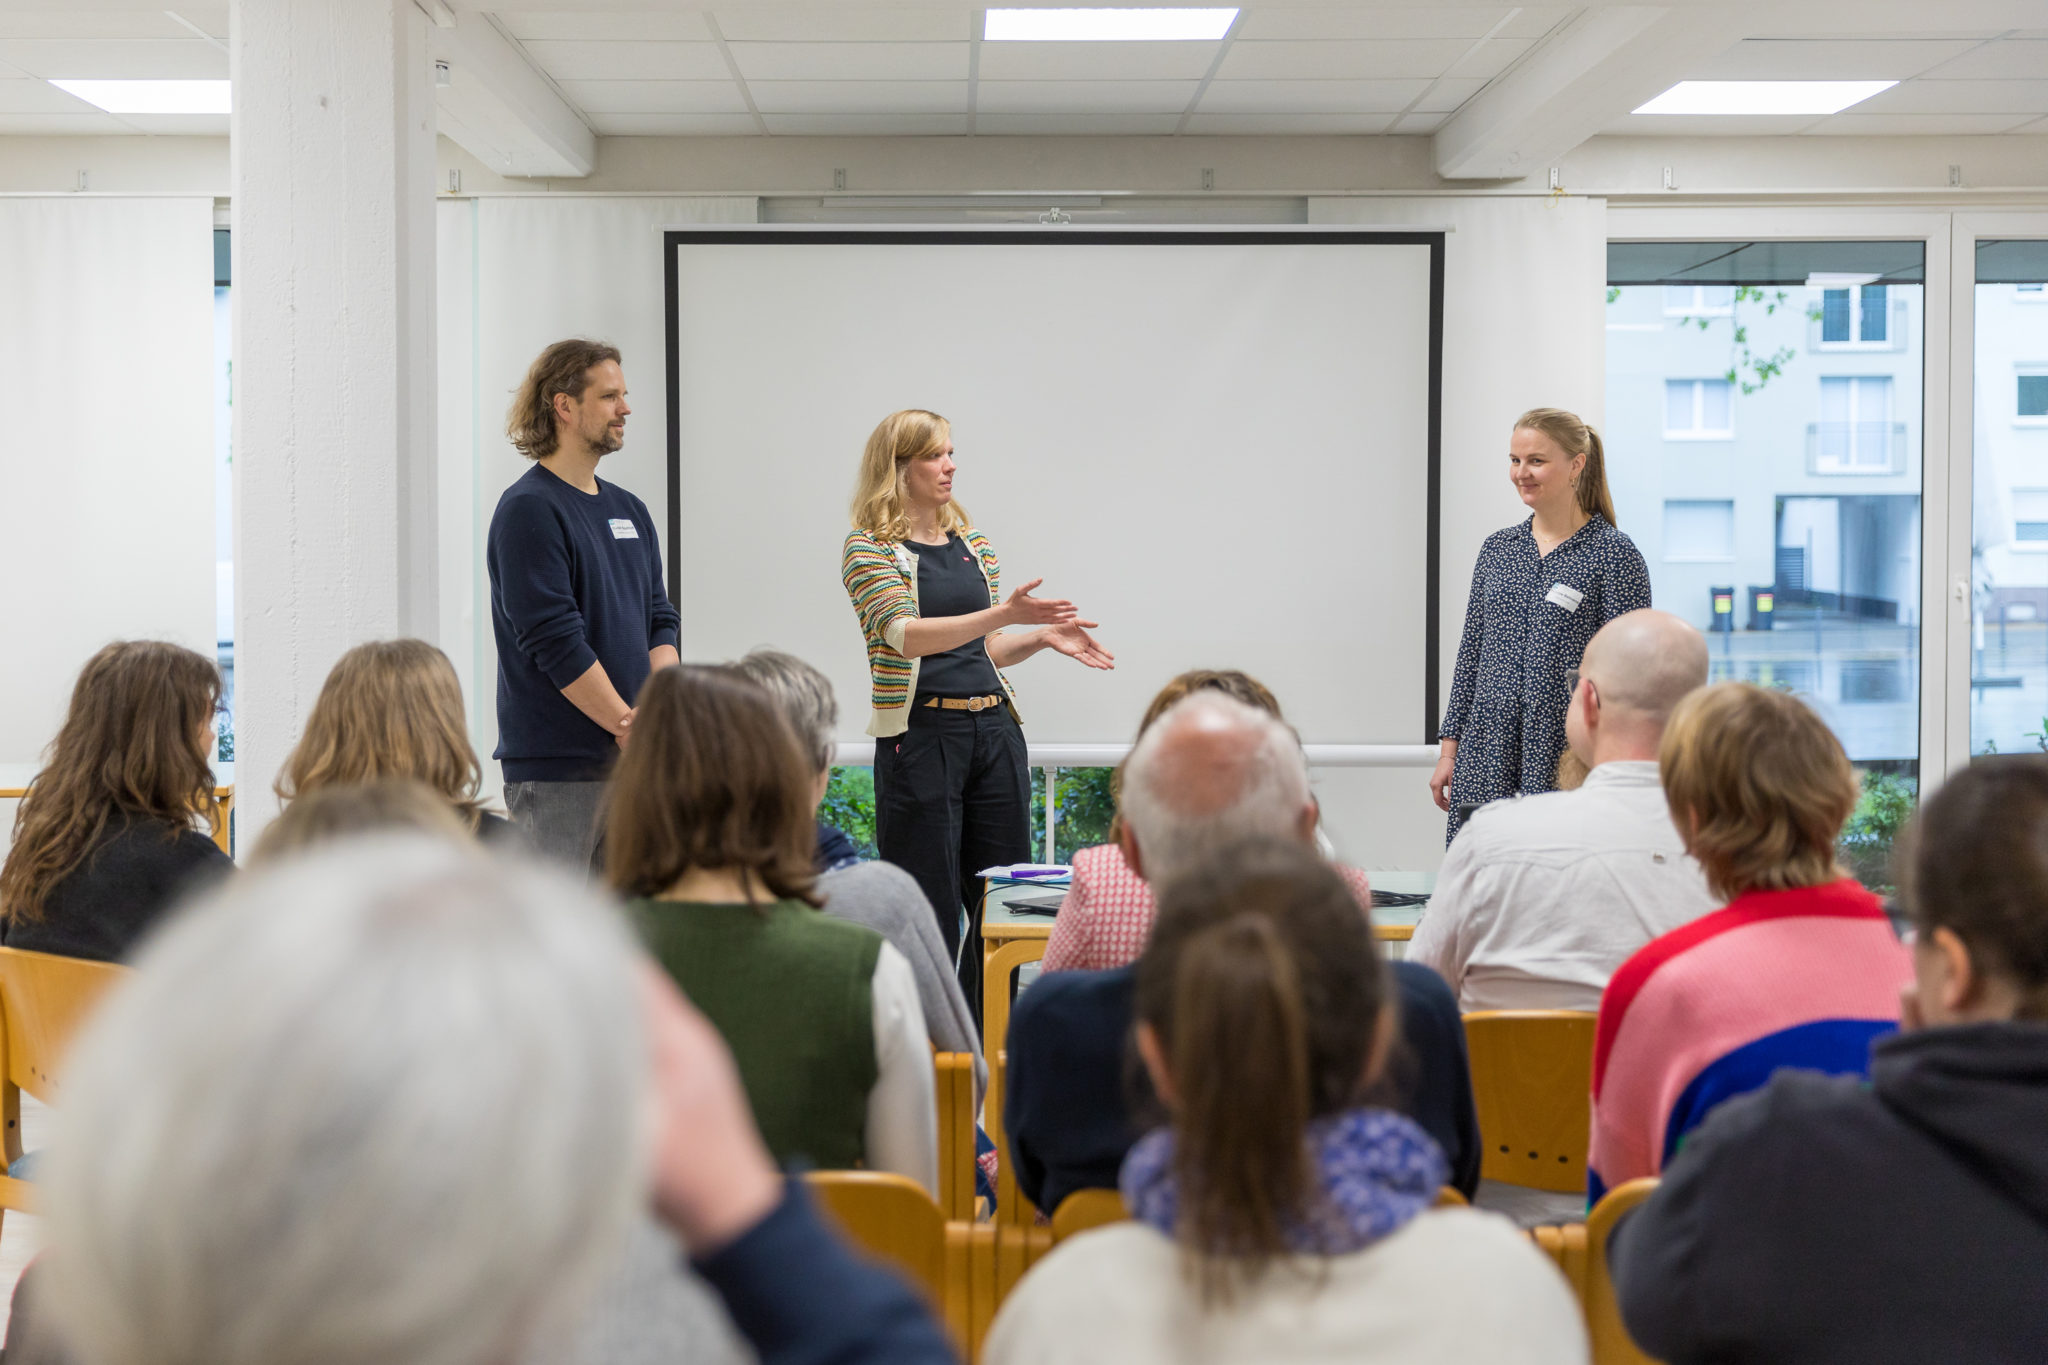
pixel 1222 445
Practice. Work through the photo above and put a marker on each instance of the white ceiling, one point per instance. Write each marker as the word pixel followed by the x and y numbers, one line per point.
pixel 1331 67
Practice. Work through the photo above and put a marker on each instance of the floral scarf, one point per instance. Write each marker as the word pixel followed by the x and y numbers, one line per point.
pixel 1375 1170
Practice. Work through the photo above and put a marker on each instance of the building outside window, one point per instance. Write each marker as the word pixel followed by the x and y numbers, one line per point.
pixel 2031 394
pixel 1698 410
pixel 1855 434
pixel 1856 315
pixel 1699 300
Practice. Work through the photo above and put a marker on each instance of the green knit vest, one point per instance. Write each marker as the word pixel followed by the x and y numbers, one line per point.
pixel 792 992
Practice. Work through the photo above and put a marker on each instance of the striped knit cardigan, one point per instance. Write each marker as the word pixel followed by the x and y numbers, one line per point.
pixel 1806 978
pixel 881 580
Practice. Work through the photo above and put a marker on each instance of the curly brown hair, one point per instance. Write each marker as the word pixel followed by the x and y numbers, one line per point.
pixel 135 742
pixel 562 368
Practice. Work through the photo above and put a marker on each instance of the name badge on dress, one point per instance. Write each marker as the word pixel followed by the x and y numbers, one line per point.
pixel 1565 595
pixel 622 529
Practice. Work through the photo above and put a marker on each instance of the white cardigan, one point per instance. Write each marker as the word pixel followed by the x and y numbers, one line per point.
pixel 1452 1287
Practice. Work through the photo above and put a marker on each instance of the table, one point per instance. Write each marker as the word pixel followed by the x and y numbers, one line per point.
pixel 15 779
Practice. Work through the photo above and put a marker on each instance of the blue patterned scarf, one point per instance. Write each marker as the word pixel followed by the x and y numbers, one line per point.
pixel 1375 1170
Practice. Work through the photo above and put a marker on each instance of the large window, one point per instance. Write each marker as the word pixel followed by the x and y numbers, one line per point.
pixel 2009 543
pixel 1796 542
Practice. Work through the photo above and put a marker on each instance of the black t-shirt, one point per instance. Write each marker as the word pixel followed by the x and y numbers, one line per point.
pixel 949 583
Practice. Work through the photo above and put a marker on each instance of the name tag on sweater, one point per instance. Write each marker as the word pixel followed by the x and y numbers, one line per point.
pixel 1563 594
pixel 623 529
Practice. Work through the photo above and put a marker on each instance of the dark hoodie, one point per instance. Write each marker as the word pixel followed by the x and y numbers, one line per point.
pixel 1822 1219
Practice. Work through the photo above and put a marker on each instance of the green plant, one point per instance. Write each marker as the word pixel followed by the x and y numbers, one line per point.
pixel 1882 810
pixel 2040 736
pixel 849 807
pixel 1746 369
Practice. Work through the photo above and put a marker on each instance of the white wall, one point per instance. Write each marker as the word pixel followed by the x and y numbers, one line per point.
pixel 106 339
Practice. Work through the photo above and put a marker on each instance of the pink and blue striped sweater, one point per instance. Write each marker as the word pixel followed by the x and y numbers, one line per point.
pixel 1806 978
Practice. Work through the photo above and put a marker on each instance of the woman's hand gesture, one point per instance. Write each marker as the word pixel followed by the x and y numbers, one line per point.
pixel 1026 610
pixel 1074 641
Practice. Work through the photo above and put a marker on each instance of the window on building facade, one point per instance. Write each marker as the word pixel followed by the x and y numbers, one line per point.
pixel 1856 315
pixel 2033 394
pixel 1697 409
pixel 1699 300
pixel 1699 530
pixel 1855 434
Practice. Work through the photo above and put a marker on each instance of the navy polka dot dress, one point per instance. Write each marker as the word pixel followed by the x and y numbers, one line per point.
pixel 1526 626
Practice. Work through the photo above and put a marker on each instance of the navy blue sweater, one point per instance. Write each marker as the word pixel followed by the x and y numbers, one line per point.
pixel 575 580
pixel 1068 1108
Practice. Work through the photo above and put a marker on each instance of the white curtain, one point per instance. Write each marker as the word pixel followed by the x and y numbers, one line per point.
pixel 107 514
pixel 516 273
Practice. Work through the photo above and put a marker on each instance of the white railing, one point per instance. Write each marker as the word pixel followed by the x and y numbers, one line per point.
pixel 1052 757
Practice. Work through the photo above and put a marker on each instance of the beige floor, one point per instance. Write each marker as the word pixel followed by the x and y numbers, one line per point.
pixel 20 1234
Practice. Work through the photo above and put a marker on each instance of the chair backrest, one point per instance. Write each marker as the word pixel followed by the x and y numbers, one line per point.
pixel 955 1093
pixel 1451 1197
pixel 1085 1209
pixel 1532 1082
pixel 44 998
pixel 892 1218
pixel 1612 1344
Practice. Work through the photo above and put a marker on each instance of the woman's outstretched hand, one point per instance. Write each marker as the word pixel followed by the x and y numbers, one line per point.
pixel 1074 641
pixel 1026 610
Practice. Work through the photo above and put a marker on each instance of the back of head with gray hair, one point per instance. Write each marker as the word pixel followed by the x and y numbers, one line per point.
pixel 803 695
pixel 1211 770
pixel 385 1105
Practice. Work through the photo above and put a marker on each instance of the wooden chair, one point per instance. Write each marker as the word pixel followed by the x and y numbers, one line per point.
pixel 1532 1081
pixel 955 1094
pixel 1020 1237
pixel 1450 1197
pixel 44 998
pixel 1086 1209
pixel 892 1218
pixel 1612 1344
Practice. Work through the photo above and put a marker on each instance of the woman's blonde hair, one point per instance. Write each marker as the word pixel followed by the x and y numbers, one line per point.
pixel 912 434
pixel 390 708
pixel 1758 786
pixel 1575 437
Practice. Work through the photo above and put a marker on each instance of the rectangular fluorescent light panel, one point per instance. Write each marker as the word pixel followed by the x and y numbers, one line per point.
pixel 1763 97
pixel 151 97
pixel 1107 25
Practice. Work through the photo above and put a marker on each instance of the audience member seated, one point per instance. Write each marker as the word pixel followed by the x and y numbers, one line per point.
pixel 880 895
pixel 1211 770
pixel 1541 898
pixel 393 708
pixel 1280 1217
pixel 109 836
pixel 386 805
pixel 1106 915
pixel 307 1129
pixel 710 833
pixel 1906 1220
pixel 1800 968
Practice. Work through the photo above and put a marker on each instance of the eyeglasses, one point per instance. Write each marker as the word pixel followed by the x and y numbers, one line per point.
pixel 1572 678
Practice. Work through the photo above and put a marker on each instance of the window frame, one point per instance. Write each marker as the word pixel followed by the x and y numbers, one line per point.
pixel 1858 383
pixel 1725 558
pixel 1857 341
pixel 1699 431
pixel 2027 369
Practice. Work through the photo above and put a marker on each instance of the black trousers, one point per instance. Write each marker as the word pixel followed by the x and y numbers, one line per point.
pixel 952 796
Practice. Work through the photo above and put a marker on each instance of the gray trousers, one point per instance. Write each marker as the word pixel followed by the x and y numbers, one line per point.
pixel 559 819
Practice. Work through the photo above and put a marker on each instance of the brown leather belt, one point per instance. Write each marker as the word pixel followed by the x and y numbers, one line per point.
pixel 964 703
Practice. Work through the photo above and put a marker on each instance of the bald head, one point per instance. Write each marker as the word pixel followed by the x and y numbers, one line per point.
pixel 1640 665
pixel 1211 770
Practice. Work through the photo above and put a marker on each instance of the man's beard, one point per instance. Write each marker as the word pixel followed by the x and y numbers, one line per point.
pixel 606 441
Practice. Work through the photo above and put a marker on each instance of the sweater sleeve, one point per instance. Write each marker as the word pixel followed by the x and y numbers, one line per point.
pixel 880 597
pixel 1440 941
pixel 1465 676
pixel 801 1297
pixel 902 1126
pixel 530 575
pixel 664 622
pixel 1068 946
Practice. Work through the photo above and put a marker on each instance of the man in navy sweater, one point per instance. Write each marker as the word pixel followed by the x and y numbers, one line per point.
pixel 577 601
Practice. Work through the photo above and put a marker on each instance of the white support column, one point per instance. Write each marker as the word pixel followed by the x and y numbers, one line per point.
pixel 333 164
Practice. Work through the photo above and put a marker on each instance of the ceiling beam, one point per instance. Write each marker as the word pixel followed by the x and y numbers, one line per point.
pixel 500 109
pixel 1591 71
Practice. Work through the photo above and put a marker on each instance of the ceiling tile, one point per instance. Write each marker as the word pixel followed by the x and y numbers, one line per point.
pixel 1760 59
pixel 211 19
pixel 1340 60
pixel 1447 94
pixel 185 58
pixel 1488 59
pixel 851 61
pixel 673 26
pixel 1296 124
pixel 95 124
pixel 1077 125
pixel 1084 97
pixel 859 97
pixel 616 61
pixel 867 125
pixel 25 96
pixel 178 125
pixel 2011 59
pixel 75 23
pixel 674 125
pixel 1374 24
pixel 1929 96
pixel 1709 125
pixel 1920 125
pixel 1097 61
pixel 849 23
pixel 655 97
pixel 1310 97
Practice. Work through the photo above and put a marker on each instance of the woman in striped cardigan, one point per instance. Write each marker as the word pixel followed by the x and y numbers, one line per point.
pixel 952 781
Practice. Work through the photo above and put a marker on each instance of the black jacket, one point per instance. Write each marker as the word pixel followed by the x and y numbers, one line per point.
pixel 102 908
pixel 1067 1105
pixel 1825 1220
